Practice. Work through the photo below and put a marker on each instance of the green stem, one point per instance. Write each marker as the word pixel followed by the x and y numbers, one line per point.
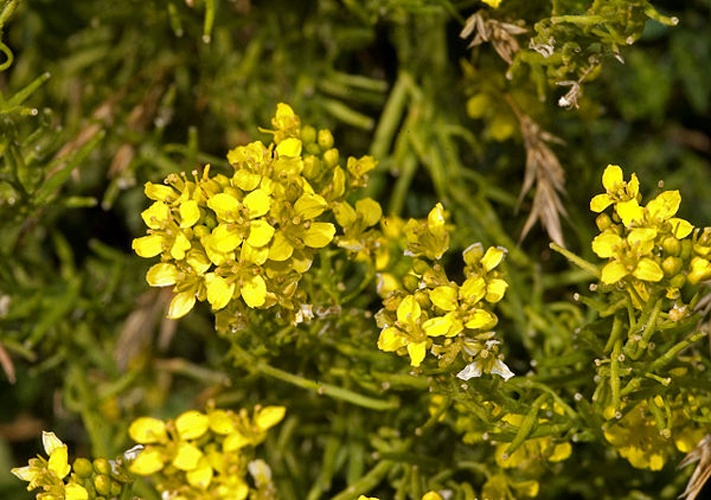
pixel 673 351
pixel 578 261
pixel 367 482
pixel 615 373
pixel 614 334
pixel 579 20
pixel 320 388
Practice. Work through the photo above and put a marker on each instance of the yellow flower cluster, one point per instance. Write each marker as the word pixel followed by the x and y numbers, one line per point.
pixel 205 455
pixel 647 247
pixel 432 313
pixel 647 433
pixel 252 235
pixel 60 481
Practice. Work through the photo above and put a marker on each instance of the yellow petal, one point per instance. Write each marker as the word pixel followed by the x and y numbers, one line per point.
pixel 641 235
pixel 201 476
pixel 159 192
pixel 444 297
pixel 51 442
pixel 59 461
pixel 613 272
pixel 648 270
pixel 473 289
pixel 435 219
pixel 408 311
pixel 148 246
pixel 606 244
pixel 234 442
pixel 157 215
pixel 481 319
pixel 612 178
pixel 221 422
pixel 269 416
pixel 280 249
pixel 370 210
pixel 180 246
pixel 255 255
pixel 493 257
pixel 147 430
pixel 391 339
pixel 310 205
pixel 148 462
pixel 254 292
pixel 560 452
pixel 74 491
pixel 345 214
pixel 257 202
pixel 225 206
pixel 246 180
pixel 417 351
pixel 226 237
pixel 198 261
pixel 319 234
pixel 187 456
pixel 495 290
pixel 181 304
pixel 629 211
pixel 290 147
pixel 260 233
pixel 189 213
pixel 191 424
pixel 441 325
pixel 681 228
pixel 600 202
pixel 665 205
pixel 361 166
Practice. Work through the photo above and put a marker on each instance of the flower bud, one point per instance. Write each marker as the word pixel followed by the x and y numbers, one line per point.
pixel 82 467
pixel 671 266
pixel 603 221
pixel 325 139
pixel 330 158
pixel 102 484
pixel 102 466
pixel 671 246
pixel 410 282
pixel 308 135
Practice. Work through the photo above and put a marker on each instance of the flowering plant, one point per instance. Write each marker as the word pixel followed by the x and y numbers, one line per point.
pixel 350 296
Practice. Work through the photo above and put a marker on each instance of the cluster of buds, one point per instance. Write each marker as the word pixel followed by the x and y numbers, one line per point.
pixel 431 313
pixel 205 455
pixel 649 250
pixel 245 240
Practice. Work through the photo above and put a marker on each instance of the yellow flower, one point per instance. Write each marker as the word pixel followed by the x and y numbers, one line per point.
pixel 617 190
pixel 49 474
pixel 637 438
pixel 492 3
pixel 429 238
pixel 407 332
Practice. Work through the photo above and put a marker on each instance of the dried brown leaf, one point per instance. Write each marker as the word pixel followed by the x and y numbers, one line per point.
pixel 702 472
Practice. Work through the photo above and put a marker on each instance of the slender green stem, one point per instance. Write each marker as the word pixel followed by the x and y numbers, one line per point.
pixel 367 482
pixel 614 333
pixel 579 20
pixel 615 373
pixel 321 388
pixel 676 349
pixel 578 261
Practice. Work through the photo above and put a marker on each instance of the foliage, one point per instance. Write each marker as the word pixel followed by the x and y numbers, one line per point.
pixel 361 300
